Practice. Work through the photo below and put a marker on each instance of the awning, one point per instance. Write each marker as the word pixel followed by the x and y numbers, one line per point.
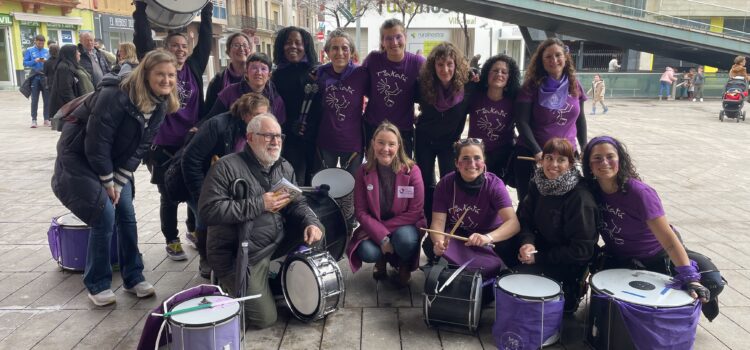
pixel 33 17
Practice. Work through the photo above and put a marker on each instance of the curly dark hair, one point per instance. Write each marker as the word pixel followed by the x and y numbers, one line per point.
pixel 514 75
pixel 281 37
pixel 626 166
pixel 428 79
pixel 535 72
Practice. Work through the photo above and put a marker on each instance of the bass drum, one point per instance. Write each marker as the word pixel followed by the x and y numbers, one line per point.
pixel 330 215
pixel 172 14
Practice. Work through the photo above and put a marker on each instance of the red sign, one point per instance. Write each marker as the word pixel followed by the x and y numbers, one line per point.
pixel 320 36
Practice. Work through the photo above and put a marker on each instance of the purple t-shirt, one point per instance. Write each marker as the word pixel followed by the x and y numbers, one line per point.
pixel 624 216
pixel 483 207
pixel 393 86
pixel 548 123
pixel 176 125
pixel 341 122
pixel 491 121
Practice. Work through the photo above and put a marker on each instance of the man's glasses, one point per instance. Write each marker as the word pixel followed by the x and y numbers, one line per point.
pixel 270 137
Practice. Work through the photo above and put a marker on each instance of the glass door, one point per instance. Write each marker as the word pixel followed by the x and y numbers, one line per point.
pixel 5 66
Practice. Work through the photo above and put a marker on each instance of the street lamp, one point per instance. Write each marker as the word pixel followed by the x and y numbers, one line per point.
pixel 489 27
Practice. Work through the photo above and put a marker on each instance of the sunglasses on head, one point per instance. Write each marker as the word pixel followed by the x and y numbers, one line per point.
pixel 469 141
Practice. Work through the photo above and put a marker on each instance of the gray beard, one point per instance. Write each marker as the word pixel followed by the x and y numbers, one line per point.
pixel 265 159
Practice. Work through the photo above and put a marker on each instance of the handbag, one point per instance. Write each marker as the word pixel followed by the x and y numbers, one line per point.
pixel 174 181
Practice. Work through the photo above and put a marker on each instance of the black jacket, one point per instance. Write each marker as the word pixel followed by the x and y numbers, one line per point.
pixel 197 61
pixel 562 228
pixel 63 87
pixel 216 136
pixel 444 127
pixel 109 133
pixel 49 70
pixel 215 87
pixel 290 83
pixel 88 65
pixel 225 214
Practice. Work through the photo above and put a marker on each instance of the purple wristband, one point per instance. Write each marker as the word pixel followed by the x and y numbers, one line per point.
pixel 685 275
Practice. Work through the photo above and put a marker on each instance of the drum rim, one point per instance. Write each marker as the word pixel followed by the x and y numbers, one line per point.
pixel 336 170
pixel 610 296
pixel 177 10
pixel 74 227
pixel 318 309
pixel 525 297
pixel 471 314
pixel 171 320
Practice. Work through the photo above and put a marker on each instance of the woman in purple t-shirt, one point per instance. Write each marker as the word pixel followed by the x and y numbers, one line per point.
pixel 636 231
pixel 343 86
pixel 393 83
pixel 491 112
pixel 489 217
pixel 550 105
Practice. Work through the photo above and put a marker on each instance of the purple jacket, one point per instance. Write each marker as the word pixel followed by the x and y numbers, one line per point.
pixel 406 211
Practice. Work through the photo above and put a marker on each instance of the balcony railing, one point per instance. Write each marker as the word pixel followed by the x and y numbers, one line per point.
pixel 267 24
pixel 242 22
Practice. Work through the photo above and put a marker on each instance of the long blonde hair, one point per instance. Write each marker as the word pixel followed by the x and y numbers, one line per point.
pixel 401 160
pixel 137 87
pixel 128 50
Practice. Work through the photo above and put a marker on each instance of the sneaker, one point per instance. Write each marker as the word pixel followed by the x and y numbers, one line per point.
pixel 47 123
pixel 605 110
pixel 694 100
pixel 142 290
pixel 701 99
pixel 192 239
pixel 175 252
pixel 103 298
pixel 204 269
pixel 33 124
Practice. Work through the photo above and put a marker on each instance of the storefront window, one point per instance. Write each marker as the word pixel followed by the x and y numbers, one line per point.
pixel 4 51
pixel 66 37
pixel 27 36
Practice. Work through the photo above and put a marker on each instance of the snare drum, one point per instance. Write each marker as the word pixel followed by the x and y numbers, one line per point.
pixel 68 239
pixel 528 311
pixel 342 188
pixel 172 14
pixel 213 328
pixel 624 302
pixel 313 284
pixel 452 298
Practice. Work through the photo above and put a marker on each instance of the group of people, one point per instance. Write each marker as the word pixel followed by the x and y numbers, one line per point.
pixel 62 73
pixel 690 86
pixel 256 126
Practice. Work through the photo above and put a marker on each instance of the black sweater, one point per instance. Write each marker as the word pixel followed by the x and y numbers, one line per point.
pixel 444 126
pixel 562 228
pixel 290 84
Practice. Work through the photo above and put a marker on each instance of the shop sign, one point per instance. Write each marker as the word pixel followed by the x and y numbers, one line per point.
pixel 29 23
pixel 61 26
pixel 5 20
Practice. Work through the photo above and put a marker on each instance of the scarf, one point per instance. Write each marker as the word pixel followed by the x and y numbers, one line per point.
pixel 553 93
pixel 229 78
pixel 284 63
pixel 445 100
pixel 328 76
pixel 472 187
pixel 557 187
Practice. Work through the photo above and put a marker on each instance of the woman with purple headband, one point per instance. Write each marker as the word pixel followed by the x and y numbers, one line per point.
pixel 635 230
pixel 550 105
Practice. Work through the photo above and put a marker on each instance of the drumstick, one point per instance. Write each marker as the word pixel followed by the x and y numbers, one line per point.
pixel 532 252
pixel 208 305
pixel 526 158
pixel 458 223
pixel 460 238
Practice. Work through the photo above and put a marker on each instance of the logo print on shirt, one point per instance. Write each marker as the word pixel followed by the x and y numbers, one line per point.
pixel 339 104
pixel 613 231
pixel 388 91
pixel 467 223
pixel 183 93
pixel 486 125
pixel 560 119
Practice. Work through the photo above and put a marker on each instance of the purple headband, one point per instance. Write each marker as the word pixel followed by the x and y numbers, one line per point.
pixel 600 139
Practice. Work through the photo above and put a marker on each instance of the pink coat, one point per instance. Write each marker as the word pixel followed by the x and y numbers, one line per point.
pixel 406 211
pixel 668 75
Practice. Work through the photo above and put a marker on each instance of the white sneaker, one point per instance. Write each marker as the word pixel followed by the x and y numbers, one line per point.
pixel 694 100
pixel 104 298
pixel 142 290
pixel 701 99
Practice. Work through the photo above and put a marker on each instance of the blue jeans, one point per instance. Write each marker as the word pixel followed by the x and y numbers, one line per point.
pixel 666 87
pixel 405 241
pixel 98 274
pixel 200 229
pixel 36 87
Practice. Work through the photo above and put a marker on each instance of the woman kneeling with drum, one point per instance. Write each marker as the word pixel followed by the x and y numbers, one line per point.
pixel 636 231
pixel 478 201
pixel 388 200
pixel 558 222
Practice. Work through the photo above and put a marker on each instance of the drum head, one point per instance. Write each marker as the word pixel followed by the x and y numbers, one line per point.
pixel 639 287
pixel 205 317
pixel 302 288
pixel 340 181
pixel 529 286
pixel 70 220
pixel 179 6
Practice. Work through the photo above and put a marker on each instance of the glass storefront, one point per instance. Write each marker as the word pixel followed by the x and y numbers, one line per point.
pixel 4 55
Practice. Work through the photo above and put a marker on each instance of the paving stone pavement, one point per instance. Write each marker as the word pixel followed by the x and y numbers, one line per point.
pixel 696 163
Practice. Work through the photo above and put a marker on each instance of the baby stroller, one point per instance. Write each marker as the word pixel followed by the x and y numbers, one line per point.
pixel 735 92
